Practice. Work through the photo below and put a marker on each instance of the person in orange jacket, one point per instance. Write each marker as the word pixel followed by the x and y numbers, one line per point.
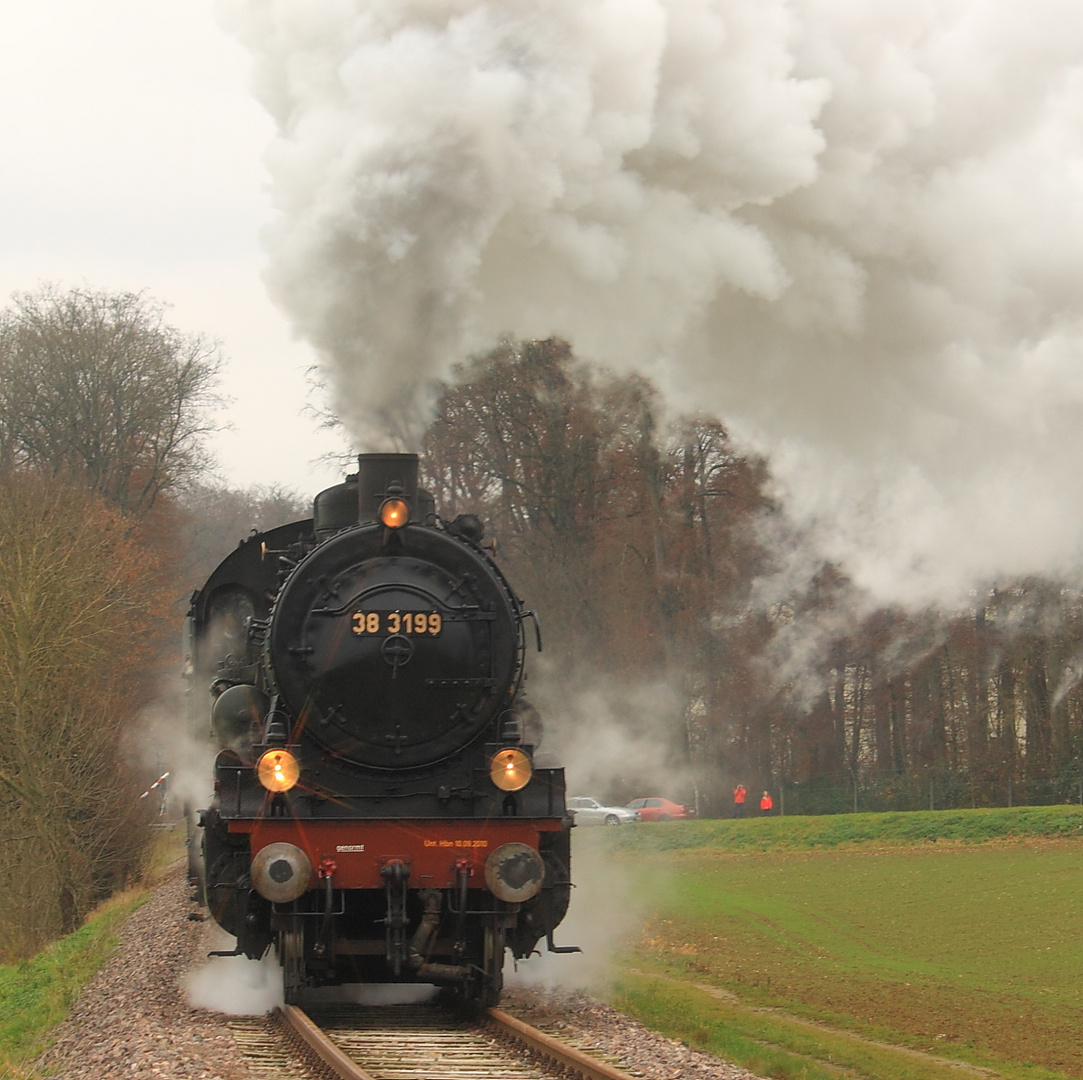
pixel 766 803
pixel 739 794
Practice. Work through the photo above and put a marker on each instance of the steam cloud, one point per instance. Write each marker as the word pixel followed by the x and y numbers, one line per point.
pixel 233 984
pixel 614 736
pixel 852 230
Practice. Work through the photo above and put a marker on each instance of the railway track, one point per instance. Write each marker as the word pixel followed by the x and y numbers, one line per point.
pixel 409 1042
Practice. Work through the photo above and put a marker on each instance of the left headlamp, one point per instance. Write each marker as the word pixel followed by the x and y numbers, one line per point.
pixel 278 770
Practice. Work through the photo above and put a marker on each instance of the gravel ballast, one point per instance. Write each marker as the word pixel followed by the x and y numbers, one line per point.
pixel 134 1019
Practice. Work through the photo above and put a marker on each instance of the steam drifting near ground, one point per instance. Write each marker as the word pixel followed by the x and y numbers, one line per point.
pixel 607 908
pixel 617 740
pixel 852 230
pixel 234 984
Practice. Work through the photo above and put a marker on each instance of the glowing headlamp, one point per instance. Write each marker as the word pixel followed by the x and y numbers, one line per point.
pixel 278 770
pixel 395 513
pixel 510 769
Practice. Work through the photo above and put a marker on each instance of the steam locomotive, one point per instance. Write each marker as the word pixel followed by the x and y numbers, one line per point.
pixel 377 814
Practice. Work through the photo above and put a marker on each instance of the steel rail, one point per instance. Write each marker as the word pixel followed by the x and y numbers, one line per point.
pixel 556 1050
pixel 322 1046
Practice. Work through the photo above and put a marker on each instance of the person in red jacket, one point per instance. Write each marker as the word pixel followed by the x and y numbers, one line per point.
pixel 766 803
pixel 739 794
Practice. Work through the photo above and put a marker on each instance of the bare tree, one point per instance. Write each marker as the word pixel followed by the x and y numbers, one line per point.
pixel 97 387
pixel 531 439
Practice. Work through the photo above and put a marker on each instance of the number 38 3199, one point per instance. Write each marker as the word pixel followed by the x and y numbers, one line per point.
pixel 397 622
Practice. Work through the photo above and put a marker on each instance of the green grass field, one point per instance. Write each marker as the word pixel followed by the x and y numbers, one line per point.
pixel 796 945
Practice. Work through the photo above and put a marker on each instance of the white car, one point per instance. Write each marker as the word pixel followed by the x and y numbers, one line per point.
pixel 591 812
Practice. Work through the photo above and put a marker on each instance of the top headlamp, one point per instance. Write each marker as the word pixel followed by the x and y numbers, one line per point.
pixel 395 513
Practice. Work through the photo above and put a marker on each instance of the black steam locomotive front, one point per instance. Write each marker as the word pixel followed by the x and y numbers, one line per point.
pixel 377 815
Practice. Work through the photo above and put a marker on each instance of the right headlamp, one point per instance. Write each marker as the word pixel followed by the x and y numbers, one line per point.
pixel 510 769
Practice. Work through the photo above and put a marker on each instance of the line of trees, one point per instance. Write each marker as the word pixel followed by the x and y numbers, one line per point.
pixel 641 545
pixel 103 407
pixel 984 707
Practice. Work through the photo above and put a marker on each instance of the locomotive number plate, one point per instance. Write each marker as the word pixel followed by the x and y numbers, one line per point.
pixel 414 623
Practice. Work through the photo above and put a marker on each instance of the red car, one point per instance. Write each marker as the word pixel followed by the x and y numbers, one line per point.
pixel 655 809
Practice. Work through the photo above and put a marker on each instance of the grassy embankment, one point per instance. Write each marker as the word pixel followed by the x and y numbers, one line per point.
pixel 896 946
pixel 36 994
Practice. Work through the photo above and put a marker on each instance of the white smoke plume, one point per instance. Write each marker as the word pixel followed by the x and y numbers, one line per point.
pixel 852 230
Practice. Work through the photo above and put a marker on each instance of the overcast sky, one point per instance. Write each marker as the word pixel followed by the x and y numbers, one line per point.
pixel 131 159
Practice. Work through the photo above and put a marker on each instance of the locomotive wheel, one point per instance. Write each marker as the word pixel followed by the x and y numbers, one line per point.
pixel 291 955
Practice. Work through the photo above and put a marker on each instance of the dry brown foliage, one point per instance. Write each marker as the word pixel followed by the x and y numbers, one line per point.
pixel 80 596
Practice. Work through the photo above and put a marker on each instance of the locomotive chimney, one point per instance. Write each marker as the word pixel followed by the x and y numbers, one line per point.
pixel 382 475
